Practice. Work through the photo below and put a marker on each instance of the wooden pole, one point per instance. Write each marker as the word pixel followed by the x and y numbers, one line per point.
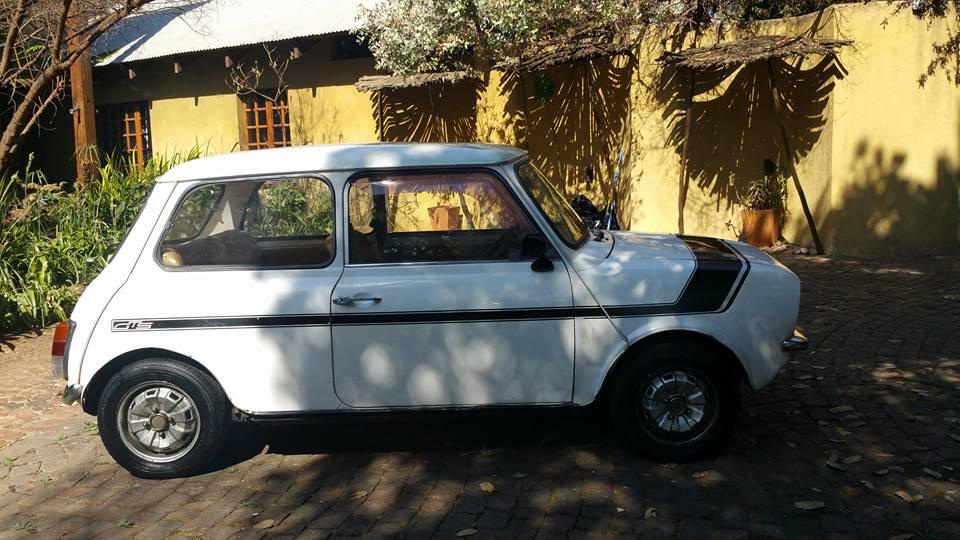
pixel 84 123
pixel 380 129
pixel 434 119
pixel 684 170
pixel 526 110
pixel 778 107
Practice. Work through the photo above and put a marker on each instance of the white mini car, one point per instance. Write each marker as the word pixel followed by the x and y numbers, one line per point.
pixel 286 283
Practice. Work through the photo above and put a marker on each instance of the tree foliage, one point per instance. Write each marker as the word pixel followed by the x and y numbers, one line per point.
pixel 946 54
pixel 421 36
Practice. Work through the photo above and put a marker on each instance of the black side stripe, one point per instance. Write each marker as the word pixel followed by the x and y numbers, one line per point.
pixel 719 270
pixel 220 322
pixel 428 317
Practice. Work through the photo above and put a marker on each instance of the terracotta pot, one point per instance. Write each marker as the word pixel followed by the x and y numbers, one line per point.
pixel 760 227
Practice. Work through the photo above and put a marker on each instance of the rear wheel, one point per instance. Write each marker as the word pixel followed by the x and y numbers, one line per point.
pixel 160 418
pixel 676 402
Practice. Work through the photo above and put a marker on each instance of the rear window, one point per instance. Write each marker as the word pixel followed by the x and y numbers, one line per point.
pixel 286 222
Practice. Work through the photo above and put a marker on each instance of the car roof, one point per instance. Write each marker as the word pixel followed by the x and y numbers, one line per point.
pixel 340 157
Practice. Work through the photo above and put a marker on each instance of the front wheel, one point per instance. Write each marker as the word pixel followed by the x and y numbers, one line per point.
pixel 677 402
pixel 160 418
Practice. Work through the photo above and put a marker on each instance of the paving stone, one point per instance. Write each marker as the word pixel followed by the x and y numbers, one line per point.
pixel 885 351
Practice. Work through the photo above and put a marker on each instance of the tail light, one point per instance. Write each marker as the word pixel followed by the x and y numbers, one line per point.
pixel 61 346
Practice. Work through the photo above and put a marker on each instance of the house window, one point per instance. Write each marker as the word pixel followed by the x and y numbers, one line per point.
pixel 124 128
pixel 266 119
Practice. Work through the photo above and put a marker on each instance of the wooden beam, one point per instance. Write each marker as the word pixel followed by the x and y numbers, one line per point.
pixel 781 120
pixel 684 186
pixel 84 117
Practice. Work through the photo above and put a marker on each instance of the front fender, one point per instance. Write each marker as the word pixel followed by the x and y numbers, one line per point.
pixel 591 376
pixel 753 328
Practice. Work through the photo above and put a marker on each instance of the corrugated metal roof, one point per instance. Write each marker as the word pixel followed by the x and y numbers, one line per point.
pixel 170 27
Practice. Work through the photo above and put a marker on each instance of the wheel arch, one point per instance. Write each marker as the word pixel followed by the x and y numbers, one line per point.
pixel 634 351
pixel 93 390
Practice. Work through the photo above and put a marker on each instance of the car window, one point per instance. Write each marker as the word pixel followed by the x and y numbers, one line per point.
pixel 289 209
pixel 194 212
pixel 562 217
pixel 275 223
pixel 434 217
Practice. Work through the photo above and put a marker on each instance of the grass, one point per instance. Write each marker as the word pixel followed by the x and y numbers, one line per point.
pixel 8 461
pixel 89 425
pixel 55 238
pixel 125 524
pixel 24 526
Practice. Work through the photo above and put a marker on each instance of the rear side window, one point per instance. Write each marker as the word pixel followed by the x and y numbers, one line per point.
pixel 194 212
pixel 258 223
pixel 434 217
pixel 290 209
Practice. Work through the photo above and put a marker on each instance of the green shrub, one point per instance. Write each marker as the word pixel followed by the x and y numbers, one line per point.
pixel 55 240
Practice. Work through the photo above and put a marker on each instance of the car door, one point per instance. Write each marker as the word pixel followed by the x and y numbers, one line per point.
pixel 439 305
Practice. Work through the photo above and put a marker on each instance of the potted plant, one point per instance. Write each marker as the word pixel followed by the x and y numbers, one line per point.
pixel 764 207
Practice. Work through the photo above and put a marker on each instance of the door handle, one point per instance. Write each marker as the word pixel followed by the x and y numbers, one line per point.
pixel 350 300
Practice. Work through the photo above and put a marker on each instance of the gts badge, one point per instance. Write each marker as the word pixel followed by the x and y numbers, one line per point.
pixel 123 326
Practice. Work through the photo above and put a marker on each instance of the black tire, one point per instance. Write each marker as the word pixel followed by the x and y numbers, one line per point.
pixel 209 417
pixel 638 396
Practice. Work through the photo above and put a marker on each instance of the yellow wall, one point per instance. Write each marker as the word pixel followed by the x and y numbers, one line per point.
pixel 877 154
pixel 896 146
pixel 210 122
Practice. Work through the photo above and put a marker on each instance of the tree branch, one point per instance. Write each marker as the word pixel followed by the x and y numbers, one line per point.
pixel 15 22
pixel 51 96
pixel 60 30
pixel 24 116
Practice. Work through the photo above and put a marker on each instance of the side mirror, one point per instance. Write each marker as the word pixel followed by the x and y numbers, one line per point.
pixel 535 245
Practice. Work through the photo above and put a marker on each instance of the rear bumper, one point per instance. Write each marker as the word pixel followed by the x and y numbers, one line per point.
pixel 794 344
pixel 71 394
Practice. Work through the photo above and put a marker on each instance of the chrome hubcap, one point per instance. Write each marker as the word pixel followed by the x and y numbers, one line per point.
pixel 675 401
pixel 159 422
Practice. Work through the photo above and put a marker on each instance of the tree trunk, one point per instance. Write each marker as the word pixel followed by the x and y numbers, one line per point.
pixel 28 109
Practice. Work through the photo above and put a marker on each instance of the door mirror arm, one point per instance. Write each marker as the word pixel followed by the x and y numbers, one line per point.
pixel 535 245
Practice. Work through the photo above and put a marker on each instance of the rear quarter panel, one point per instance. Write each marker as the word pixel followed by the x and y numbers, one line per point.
pixel 91 306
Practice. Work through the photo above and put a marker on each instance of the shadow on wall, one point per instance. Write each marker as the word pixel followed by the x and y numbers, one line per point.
pixel 882 206
pixel 735 125
pixel 572 119
pixel 575 122
pixel 433 113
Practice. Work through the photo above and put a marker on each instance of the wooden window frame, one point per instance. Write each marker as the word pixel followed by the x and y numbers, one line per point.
pixel 125 127
pixel 262 133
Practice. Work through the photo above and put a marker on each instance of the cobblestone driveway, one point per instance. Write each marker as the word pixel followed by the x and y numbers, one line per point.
pixel 860 438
